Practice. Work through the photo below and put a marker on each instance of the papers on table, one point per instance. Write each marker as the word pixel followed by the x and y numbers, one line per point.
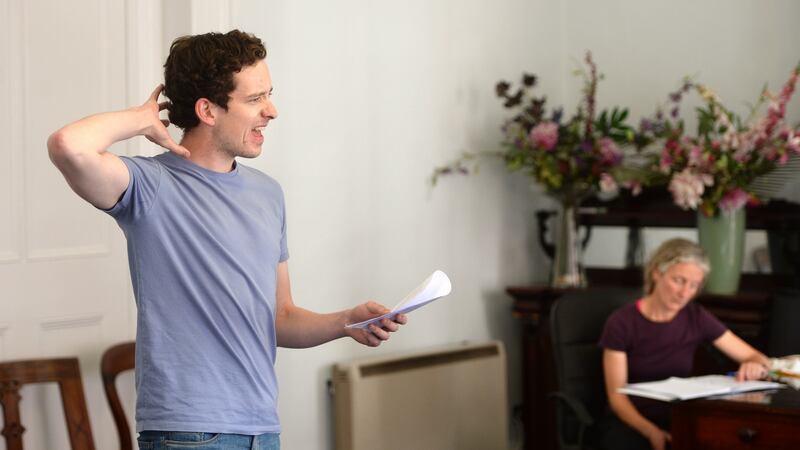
pixel 786 370
pixel 434 287
pixel 675 388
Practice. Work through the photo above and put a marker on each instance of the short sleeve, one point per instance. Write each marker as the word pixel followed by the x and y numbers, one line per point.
pixel 616 332
pixel 710 327
pixel 142 190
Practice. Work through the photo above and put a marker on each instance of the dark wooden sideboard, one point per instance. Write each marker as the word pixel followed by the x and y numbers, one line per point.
pixel 754 420
pixel 747 313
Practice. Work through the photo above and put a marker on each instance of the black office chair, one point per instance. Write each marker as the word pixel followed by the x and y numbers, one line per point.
pixel 576 322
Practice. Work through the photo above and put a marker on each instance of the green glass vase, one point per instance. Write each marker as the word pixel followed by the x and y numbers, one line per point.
pixel 722 238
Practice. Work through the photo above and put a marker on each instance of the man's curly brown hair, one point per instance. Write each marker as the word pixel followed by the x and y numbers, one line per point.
pixel 202 66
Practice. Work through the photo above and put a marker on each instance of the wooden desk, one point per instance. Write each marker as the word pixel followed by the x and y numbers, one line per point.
pixel 755 420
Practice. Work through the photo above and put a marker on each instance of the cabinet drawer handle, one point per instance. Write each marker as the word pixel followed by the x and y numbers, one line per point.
pixel 747 434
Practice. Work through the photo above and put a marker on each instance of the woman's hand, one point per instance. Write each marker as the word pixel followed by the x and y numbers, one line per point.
pixel 751 371
pixel 658 439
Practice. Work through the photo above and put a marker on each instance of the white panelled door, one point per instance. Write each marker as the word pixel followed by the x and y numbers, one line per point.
pixel 64 286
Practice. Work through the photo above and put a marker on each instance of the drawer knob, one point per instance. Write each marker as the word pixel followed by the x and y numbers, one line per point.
pixel 747 434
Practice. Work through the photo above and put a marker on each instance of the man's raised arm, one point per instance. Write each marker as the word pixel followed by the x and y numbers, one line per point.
pixel 79 150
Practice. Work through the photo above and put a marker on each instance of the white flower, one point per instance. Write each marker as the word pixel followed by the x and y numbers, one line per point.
pixel 687 188
pixel 608 184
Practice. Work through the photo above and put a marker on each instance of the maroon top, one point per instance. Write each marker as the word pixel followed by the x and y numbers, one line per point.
pixel 659 350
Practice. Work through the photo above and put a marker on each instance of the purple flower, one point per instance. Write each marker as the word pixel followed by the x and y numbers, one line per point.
pixel 544 135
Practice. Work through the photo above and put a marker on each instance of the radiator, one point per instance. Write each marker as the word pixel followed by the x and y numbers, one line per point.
pixel 447 398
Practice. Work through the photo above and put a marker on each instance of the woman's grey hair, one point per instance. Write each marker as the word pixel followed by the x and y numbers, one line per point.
pixel 671 252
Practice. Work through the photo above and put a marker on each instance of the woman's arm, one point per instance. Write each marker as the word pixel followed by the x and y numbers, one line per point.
pixel 615 368
pixel 754 365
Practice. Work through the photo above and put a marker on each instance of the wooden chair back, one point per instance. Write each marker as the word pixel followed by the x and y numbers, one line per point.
pixel 115 360
pixel 66 372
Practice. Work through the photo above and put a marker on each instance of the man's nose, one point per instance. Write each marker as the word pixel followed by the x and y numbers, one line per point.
pixel 270 111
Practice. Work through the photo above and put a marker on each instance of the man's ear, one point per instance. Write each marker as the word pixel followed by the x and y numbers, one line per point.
pixel 205 111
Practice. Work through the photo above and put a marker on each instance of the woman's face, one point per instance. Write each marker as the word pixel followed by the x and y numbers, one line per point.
pixel 676 286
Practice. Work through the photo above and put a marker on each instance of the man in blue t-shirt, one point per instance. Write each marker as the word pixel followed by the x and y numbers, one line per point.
pixel 206 247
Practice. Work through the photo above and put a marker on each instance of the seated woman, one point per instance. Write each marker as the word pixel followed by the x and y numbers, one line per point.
pixel 656 338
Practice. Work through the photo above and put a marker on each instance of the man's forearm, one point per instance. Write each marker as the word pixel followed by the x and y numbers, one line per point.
pixel 301 328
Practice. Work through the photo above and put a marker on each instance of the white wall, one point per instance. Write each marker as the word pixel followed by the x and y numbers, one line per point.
pixel 372 96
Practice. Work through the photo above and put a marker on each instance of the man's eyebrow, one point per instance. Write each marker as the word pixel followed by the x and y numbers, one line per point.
pixel 259 94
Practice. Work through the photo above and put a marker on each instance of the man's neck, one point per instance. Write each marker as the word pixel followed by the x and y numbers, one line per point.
pixel 204 154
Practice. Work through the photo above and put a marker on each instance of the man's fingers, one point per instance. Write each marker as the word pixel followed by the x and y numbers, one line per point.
pixel 376 308
pixel 379 332
pixel 372 340
pixel 175 148
pixel 181 150
pixel 389 325
pixel 156 92
pixel 164 105
pixel 165 122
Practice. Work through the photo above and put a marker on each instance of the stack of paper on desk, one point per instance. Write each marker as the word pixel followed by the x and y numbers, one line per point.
pixel 695 387
pixel 434 287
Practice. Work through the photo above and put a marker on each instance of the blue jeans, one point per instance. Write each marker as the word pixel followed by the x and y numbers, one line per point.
pixel 179 440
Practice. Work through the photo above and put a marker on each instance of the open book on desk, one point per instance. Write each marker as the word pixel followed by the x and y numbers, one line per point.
pixel 675 388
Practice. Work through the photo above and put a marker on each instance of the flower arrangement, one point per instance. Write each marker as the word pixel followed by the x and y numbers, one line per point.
pixel 713 169
pixel 571 157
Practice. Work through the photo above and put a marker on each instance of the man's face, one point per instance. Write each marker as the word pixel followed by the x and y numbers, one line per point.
pixel 238 131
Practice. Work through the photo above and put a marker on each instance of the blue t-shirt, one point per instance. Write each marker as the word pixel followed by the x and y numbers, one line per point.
pixel 203 249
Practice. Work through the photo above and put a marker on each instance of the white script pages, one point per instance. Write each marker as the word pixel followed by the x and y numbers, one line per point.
pixel 676 388
pixel 434 287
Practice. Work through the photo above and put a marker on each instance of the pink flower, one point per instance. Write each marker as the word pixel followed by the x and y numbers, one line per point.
pixel 793 141
pixel 687 188
pixel 634 186
pixel 665 164
pixel 609 152
pixel 695 156
pixel 734 200
pixel 544 135
pixel 607 183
